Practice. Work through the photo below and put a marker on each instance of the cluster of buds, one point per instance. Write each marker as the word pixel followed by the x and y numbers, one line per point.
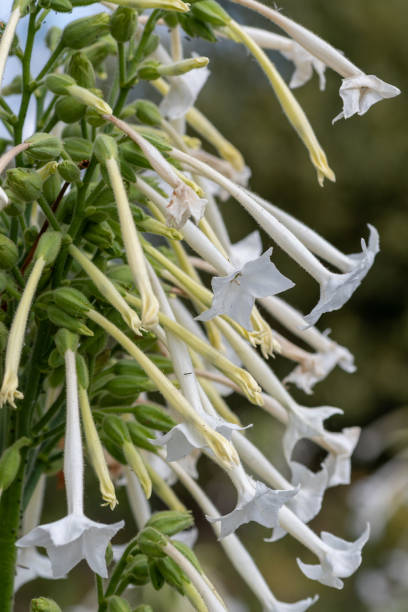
pixel 91 302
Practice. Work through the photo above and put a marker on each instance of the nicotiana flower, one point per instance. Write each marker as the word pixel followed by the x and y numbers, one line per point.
pixel 184 203
pixel 261 504
pixel 360 92
pixel 31 565
pixel 235 294
pixel 245 250
pixel 340 559
pixel 74 537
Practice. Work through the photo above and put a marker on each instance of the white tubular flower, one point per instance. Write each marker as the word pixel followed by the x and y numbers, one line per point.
pixel 359 91
pixel 340 446
pixel 335 289
pixel 75 537
pixel 235 294
pixel 8 35
pixel 184 201
pixel 184 89
pixel 339 559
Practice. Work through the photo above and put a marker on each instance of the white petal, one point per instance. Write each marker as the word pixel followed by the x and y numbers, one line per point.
pixel 31 565
pixel 299 606
pixel 247 249
pixel 340 287
pixel 183 93
pixel 360 92
pixel 338 464
pixel 263 508
pixel 3 199
pixel 184 203
pixel 341 560
pixel 304 64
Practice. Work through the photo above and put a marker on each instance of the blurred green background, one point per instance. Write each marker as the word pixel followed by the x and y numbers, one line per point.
pixel 369 156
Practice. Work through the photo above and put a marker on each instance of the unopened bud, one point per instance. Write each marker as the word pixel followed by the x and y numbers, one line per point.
pixel 149 70
pixel 8 253
pixel 138 570
pixel 170 522
pixel 117 604
pixel 151 542
pixel 141 436
pixel 188 553
pixel 123 24
pixel 147 112
pixel 10 463
pixel 153 417
pixel 58 83
pixel 105 148
pixel 60 6
pixel 44 604
pixel 143 608
pixel 172 573
pixel 183 66
pixel 24 183
pixel 43 147
pixel 81 69
pixel 100 234
pixel 53 37
pixel 99 51
pixel 71 300
pixel 13 88
pixel 47 170
pixel 116 430
pixel 210 12
pixel 51 188
pixel 62 319
pixel 85 31
pixel 90 98
pixel 66 341
pixel 69 171
pixel 69 110
pixel 49 246
pixel 78 148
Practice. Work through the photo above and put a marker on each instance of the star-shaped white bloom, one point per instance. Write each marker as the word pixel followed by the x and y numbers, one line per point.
pixel 183 92
pixel 71 539
pixel 245 250
pixel 340 287
pixel 360 92
pixel 235 294
pixel 304 62
pixel 261 506
pixel 340 559
pixel 30 566
pixel 183 204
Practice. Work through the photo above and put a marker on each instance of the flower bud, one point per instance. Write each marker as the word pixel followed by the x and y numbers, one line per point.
pixel 81 69
pixel 172 573
pixel 10 463
pixel 170 522
pixel 78 148
pixel 85 31
pixel 8 253
pixel 58 83
pixel 123 24
pixel 69 171
pixel 55 360
pixel 210 12
pixel 143 608
pixel 44 604
pixel 95 345
pixel 147 112
pixel 129 386
pixel 140 436
pixel 138 570
pixel 195 27
pixel 116 430
pixel 51 188
pixel 13 88
pixel 69 110
pixel 53 37
pixel 183 66
pixel 43 147
pixel 189 554
pixel 153 417
pixel 100 234
pixel 99 51
pixel 49 246
pixel 66 341
pixel 24 183
pixel 149 70
pixel 151 542
pixel 117 604
pixel 62 319
pixel 60 6
pixel 105 148
pixel 71 300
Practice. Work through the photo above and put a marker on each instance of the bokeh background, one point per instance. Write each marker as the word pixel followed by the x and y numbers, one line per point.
pixel 369 156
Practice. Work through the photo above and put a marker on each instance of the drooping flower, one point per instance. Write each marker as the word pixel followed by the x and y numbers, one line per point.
pixel 235 294
pixel 360 92
pixel 184 203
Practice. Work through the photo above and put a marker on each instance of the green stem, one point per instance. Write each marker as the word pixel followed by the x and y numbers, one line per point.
pixel 48 212
pixel 51 62
pixel 99 589
pixel 118 571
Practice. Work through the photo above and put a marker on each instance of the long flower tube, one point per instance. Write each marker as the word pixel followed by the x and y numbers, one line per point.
pixel 8 34
pixel 335 289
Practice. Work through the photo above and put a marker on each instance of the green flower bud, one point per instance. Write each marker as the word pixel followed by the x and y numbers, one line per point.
pixel 183 66
pixel 61 6
pixel 85 31
pixel 81 69
pixel 123 24
pixel 62 319
pixel 99 51
pixel 44 604
pixel 93 117
pixel 71 130
pixel 82 371
pixel 66 340
pixel 170 522
pixel 153 417
pixel 189 554
pixel 10 463
pixel 195 27
pixel 127 386
pixel 153 226
pixel 58 83
pixel 69 171
pixel 78 148
pixel 105 148
pixel 13 88
pixel 138 570
pixel 151 542
pixel 51 188
pixel 155 575
pixel 8 253
pixel 210 12
pixel 49 246
pixel 116 430
pixel 133 154
pixel 140 436
pixel 56 360
pixel 43 147
pixel 53 37
pixel 100 234
pixel 147 112
pixel 24 183
pixel 69 110
pixel 149 70
pixel 172 573
pixel 71 300
pixel 117 604
pixel 30 236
